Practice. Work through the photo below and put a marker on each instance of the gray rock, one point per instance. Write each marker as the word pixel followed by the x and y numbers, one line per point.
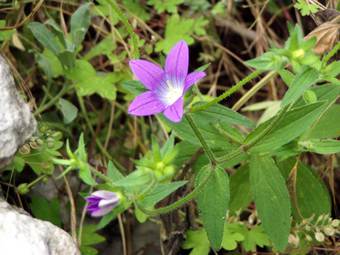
pixel 17 123
pixel 20 234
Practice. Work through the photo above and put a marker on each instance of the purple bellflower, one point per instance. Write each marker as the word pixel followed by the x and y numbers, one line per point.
pixel 101 202
pixel 166 88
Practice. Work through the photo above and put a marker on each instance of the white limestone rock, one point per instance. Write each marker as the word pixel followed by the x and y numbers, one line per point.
pixel 17 123
pixel 20 234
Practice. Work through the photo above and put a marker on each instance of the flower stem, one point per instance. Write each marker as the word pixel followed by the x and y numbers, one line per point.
pixel 229 92
pixel 200 137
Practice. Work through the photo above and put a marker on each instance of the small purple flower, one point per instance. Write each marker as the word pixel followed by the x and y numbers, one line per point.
pixel 101 202
pixel 166 88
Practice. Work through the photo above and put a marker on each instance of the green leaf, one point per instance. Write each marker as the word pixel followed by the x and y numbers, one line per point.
pixel 68 110
pixel 135 182
pixel 7 34
pixel 197 240
pixel 286 76
pixel 210 122
pixel 302 81
pixel 326 146
pixel 312 195
pixel 326 127
pixel 240 194
pixel 306 8
pixel 213 202
pixel 67 58
pixel 267 61
pixel 45 37
pixel 86 250
pixel 104 47
pixel 176 29
pixel 89 235
pixel 255 237
pixel 46 210
pixel 165 5
pixel 161 191
pixel 332 70
pixel 137 8
pixel 289 127
pixel 50 64
pixel 84 168
pixel 271 198
pixel 80 22
pixel 233 233
pixel 113 172
pixel 88 82
pixel 106 219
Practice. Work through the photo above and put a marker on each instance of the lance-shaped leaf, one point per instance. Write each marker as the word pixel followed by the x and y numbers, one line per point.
pixel 213 202
pixel 289 127
pixel 300 84
pixel 271 198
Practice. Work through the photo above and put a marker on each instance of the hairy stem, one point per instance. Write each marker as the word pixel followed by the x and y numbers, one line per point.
pixel 200 137
pixel 229 92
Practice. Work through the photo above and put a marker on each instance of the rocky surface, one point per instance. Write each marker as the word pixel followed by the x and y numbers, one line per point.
pixel 17 123
pixel 19 232
pixel 22 234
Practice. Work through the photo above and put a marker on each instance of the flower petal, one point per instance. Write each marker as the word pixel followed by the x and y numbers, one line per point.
pixel 175 111
pixel 192 78
pixel 177 61
pixel 103 194
pixel 146 72
pixel 102 211
pixel 146 104
pixel 106 202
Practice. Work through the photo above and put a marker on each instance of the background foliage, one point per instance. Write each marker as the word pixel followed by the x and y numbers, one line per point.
pixel 275 134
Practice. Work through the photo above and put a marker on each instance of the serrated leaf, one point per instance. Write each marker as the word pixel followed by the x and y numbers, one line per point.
pixel 177 28
pixel 213 203
pixel 233 234
pixel 90 236
pixel 271 198
pixel 197 240
pixel 306 8
pixel 165 5
pixel 255 237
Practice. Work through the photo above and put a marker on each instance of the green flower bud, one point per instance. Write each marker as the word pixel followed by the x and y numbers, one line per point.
pixel 23 188
pixel 310 97
pixel 300 53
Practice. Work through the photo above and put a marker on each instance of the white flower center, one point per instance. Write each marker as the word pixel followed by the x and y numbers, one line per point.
pixel 169 92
